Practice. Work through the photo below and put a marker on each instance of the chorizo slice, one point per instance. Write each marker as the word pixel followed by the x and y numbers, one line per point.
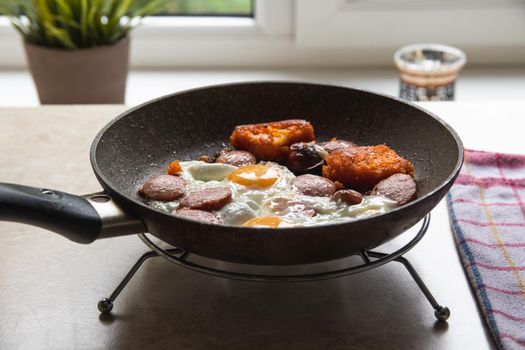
pixel 401 188
pixel 303 157
pixel 213 198
pixel 313 185
pixel 198 215
pixel 236 158
pixel 163 188
pixel 349 197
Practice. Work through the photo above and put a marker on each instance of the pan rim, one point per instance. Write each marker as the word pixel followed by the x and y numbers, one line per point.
pixel 105 181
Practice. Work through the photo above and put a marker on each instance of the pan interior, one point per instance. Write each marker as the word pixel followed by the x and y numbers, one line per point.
pixel 187 125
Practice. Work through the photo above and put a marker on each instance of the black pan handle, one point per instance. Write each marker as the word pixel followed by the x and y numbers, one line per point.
pixel 82 219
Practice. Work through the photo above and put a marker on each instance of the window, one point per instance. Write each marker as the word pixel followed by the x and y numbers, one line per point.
pixel 242 8
pixel 393 23
pixel 255 33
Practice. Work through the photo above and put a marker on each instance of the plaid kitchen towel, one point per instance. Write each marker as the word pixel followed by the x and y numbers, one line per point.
pixel 487 211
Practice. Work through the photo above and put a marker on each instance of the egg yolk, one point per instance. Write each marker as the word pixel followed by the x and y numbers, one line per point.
pixel 264 221
pixel 254 175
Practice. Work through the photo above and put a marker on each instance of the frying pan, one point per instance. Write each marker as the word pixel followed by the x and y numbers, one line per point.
pixel 142 141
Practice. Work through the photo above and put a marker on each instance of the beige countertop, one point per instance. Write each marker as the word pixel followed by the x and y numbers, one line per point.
pixel 49 286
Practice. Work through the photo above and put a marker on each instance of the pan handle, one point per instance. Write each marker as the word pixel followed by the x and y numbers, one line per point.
pixel 82 219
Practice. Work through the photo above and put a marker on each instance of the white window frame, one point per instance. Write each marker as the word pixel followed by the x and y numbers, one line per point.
pixel 318 33
pixel 214 41
pixel 362 23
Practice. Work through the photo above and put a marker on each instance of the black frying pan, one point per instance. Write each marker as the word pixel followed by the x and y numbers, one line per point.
pixel 142 141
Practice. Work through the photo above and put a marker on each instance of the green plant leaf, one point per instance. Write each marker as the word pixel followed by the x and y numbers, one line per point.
pixel 46 18
pixel 76 23
pixel 62 36
pixel 119 11
pixel 83 21
pixel 64 9
pixel 67 22
pixel 91 26
pixel 149 8
pixel 19 27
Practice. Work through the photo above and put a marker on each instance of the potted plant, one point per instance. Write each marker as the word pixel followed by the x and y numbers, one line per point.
pixel 78 50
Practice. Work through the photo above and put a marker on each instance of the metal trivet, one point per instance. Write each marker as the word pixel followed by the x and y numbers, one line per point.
pixel 180 257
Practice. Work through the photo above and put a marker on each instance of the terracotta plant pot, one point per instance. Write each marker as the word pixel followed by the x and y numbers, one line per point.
pixel 93 75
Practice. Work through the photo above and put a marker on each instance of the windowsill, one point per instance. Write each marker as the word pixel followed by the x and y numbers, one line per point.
pixel 475 84
pixel 173 25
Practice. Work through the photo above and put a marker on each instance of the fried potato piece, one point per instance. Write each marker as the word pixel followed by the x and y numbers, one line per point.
pixel 362 168
pixel 271 141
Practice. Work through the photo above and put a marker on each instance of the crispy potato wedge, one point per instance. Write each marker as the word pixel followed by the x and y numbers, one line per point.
pixel 362 168
pixel 271 141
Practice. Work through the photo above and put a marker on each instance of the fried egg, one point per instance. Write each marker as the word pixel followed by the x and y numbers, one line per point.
pixel 263 196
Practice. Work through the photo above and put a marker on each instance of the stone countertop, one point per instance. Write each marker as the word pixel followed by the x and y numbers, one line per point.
pixel 49 286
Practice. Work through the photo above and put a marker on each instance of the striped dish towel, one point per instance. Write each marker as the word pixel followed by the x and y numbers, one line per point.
pixel 487 211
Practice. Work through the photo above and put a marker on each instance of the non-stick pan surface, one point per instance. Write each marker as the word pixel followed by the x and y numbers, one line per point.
pixel 141 142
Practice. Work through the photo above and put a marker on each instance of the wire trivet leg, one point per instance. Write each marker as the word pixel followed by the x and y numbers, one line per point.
pixel 106 305
pixel 441 312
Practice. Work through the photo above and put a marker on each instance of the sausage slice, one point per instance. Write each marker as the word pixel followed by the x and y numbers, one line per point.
pixel 303 157
pixel 236 158
pixel 349 197
pixel 213 198
pixel 198 215
pixel 400 188
pixel 163 188
pixel 313 185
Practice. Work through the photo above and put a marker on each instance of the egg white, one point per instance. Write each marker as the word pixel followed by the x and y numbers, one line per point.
pixel 251 202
